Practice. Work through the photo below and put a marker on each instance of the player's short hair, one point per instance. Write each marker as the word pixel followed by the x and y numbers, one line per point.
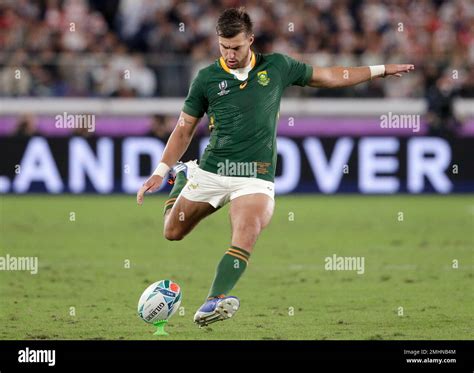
pixel 233 21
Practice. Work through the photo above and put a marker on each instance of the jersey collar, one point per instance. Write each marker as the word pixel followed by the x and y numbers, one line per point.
pixel 226 68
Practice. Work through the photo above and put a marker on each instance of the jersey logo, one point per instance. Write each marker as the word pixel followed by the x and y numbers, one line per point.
pixel 262 78
pixel 243 85
pixel 222 87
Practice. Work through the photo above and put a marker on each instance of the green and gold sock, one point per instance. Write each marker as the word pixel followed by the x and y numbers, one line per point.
pixel 179 183
pixel 229 270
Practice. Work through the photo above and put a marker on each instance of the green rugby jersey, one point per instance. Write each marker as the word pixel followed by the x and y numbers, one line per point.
pixel 244 114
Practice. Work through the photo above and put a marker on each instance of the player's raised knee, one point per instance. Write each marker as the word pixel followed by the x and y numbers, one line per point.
pixel 173 234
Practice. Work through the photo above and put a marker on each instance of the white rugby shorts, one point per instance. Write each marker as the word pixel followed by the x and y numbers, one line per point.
pixel 205 186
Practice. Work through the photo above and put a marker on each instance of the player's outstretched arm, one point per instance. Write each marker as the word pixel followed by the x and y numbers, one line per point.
pixel 336 77
pixel 174 150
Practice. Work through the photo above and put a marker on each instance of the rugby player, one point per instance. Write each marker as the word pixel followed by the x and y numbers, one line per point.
pixel 240 93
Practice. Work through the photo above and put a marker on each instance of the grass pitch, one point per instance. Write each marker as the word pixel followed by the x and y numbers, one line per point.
pixel 93 269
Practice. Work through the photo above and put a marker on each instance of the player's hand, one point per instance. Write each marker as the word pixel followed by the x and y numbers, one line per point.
pixel 397 70
pixel 151 185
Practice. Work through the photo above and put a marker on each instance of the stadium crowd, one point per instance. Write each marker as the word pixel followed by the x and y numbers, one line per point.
pixel 143 48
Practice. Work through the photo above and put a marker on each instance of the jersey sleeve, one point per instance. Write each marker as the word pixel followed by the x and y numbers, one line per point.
pixel 196 103
pixel 294 72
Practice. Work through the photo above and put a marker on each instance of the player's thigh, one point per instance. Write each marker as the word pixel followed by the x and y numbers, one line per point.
pixel 184 216
pixel 249 215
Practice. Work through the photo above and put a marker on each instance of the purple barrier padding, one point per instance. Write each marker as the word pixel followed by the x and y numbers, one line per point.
pixel 304 126
pixel 104 126
pixel 330 127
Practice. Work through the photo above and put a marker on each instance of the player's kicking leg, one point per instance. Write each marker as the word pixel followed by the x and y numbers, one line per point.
pixel 249 215
pixel 182 215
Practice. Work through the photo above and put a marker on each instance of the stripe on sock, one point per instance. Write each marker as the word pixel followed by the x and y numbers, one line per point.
pixel 241 257
pixel 240 251
pixel 231 251
pixel 169 204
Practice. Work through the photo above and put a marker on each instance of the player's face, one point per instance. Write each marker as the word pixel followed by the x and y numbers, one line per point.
pixel 236 50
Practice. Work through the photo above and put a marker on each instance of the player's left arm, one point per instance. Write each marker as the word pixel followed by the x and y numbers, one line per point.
pixel 337 77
